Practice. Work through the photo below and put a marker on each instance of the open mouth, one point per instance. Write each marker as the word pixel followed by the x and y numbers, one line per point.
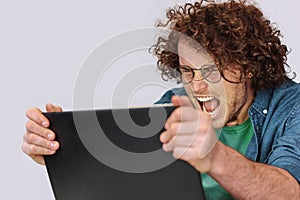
pixel 209 104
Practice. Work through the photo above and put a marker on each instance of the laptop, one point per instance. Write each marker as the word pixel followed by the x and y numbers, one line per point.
pixel 115 154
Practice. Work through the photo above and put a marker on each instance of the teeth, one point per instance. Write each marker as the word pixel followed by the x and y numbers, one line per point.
pixel 211 113
pixel 204 99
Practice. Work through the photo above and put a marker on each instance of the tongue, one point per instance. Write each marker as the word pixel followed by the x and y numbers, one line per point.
pixel 211 106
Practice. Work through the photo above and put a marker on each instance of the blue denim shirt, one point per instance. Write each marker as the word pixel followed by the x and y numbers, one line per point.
pixel 275 116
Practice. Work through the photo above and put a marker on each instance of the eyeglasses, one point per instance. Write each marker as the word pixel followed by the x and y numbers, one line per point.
pixel 210 73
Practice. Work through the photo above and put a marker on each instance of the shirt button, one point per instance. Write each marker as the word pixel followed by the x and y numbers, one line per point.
pixel 265 111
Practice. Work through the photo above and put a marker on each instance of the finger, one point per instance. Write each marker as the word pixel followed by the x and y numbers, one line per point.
pixel 185 153
pixel 185 141
pixel 165 137
pixel 178 128
pixel 37 116
pixel 53 108
pixel 182 114
pixel 35 128
pixel 181 101
pixel 33 139
pixel 34 150
pixel 184 128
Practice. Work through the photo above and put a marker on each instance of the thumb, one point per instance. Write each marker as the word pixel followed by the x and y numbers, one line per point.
pixel 181 101
pixel 53 108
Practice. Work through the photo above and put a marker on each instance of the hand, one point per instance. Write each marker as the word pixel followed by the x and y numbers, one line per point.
pixel 189 134
pixel 39 139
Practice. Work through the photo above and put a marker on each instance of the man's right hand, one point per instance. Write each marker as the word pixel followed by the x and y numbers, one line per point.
pixel 38 139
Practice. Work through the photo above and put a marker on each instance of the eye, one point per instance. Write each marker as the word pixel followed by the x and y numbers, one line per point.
pixel 207 70
pixel 185 69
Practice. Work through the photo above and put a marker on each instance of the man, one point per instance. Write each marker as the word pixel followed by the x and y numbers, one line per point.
pixel 233 63
pixel 244 134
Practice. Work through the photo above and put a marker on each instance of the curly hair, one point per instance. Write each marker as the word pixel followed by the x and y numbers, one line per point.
pixel 231 32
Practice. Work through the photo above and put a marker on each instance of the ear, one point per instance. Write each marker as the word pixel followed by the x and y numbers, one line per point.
pixel 235 67
pixel 249 75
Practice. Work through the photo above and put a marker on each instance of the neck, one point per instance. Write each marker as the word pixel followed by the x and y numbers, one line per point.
pixel 243 113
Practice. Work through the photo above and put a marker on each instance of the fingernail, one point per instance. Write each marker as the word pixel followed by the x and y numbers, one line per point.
pixel 49 136
pixel 53 145
pixel 165 147
pixel 166 125
pixel 45 124
pixel 163 138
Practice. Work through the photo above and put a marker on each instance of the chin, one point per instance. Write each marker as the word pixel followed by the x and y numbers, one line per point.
pixel 219 118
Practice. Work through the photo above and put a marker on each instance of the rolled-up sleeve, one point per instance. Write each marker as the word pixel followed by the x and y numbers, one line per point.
pixel 286 150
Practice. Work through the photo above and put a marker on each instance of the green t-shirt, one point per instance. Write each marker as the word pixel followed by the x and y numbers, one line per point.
pixel 237 137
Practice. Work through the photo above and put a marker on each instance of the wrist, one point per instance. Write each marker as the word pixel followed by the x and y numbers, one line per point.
pixel 216 157
pixel 209 162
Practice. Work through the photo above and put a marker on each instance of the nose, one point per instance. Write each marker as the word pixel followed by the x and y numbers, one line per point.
pixel 197 75
pixel 198 84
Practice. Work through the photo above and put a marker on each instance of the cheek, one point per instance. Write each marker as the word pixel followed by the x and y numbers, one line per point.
pixel 232 98
pixel 235 98
pixel 220 120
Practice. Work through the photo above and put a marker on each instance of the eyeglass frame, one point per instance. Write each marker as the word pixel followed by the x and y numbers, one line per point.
pixel 200 69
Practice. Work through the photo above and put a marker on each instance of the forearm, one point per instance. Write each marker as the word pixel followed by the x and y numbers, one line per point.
pixel 245 179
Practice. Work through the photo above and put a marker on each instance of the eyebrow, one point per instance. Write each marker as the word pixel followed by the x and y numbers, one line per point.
pixel 186 61
pixel 207 64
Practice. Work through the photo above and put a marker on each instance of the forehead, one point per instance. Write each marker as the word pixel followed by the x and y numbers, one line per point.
pixel 192 53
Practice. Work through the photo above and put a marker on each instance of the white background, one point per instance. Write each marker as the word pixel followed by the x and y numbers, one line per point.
pixel 42 46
